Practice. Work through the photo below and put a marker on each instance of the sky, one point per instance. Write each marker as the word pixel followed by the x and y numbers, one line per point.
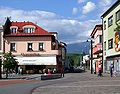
pixel 74 20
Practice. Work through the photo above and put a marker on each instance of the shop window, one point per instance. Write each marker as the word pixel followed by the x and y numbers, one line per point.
pixel 118 15
pixel 29 47
pixel 110 21
pixel 41 46
pixel 110 44
pixel 12 47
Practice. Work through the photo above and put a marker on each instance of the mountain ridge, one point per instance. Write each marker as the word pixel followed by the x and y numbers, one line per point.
pixel 82 47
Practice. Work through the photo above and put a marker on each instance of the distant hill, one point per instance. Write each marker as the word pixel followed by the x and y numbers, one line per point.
pixel 78 47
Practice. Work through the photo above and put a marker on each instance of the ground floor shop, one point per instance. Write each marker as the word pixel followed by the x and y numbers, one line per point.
pixel 95 64
pixel 115 60
pixel 38 64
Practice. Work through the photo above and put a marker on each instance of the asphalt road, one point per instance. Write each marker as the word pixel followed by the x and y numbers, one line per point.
pixel 72 83
pixel 82 83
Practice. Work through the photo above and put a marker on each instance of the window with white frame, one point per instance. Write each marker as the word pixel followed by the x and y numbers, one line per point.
pixel 118 15
pixel 110 21
pixel 13 30
pixel 110 44
pixel 12 46
pixel 29 30
pixel 41 46
pixel 100 39
pixel 104 25
pixel 29 47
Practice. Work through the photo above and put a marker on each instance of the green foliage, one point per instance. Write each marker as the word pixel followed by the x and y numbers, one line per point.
pixel 9 62
pixel 74 59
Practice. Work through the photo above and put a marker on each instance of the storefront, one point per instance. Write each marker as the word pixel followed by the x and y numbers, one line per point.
pixel 115 61
pixel 36 64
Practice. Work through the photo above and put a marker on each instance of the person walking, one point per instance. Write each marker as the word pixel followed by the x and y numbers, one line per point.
pixel 100 70
pixel 111 70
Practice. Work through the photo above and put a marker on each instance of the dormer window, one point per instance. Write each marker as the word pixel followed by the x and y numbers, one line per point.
pixel 13 30
pixel 29 30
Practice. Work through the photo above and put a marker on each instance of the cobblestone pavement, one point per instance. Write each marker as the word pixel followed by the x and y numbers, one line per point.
pixel 82 83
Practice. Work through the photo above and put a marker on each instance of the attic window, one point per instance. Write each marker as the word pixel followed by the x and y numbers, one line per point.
pixel 29 30
pixel 13 30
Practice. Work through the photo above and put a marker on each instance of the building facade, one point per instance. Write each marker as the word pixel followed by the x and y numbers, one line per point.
pixel 1 49
pixel 34 48
pixel 96 35
pixel 111 37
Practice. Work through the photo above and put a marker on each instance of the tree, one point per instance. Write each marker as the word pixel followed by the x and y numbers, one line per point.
pixel 9 62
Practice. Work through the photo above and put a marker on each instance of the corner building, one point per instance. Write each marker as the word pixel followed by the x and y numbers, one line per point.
pixel 34 48
pixel 111 37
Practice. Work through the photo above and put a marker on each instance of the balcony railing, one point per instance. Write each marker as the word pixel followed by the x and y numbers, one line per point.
pixel 97 49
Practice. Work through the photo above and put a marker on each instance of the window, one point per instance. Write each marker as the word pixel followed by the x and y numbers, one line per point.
pixel 105 45
pixel 41 46
pixel 12 47
pixel 13 30
pixel 110 44
pixel 28 30
pixel 30 47
pixel 110 21
pixel 118 15
pixel 100 39
pixel 104 25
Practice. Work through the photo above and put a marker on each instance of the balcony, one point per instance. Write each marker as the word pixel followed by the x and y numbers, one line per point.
pixel 97 49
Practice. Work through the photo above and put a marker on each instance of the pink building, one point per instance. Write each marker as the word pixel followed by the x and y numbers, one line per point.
pixel 97 46
pixel 1 47
pixel 34 48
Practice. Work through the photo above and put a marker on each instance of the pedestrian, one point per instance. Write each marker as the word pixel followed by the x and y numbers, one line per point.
pixel 111 70
pixel 21 70
pixel 100 70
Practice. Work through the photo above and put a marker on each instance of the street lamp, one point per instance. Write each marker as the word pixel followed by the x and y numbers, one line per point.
pixel 0 69
pixel 91 55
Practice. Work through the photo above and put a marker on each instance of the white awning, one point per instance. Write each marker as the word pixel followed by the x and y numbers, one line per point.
pixel 43 60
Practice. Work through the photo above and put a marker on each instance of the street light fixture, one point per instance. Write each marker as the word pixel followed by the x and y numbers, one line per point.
pixel 91 55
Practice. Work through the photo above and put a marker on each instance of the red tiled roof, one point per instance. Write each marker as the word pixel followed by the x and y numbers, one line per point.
pixel 38 30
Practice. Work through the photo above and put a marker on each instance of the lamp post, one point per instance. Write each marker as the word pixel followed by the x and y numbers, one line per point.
pixel 0 69
pixel 91 55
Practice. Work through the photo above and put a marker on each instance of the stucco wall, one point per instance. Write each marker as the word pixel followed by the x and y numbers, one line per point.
pixel 109 33
pixel 21 45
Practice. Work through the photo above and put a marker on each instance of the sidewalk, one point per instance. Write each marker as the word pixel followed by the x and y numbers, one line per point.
pixel 105 76
pixel 24 76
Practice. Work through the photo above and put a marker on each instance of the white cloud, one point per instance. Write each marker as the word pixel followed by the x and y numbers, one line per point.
pixel 75 11
pixel 69 30
pixel 90 6
pixel 81 1
pixel 105 2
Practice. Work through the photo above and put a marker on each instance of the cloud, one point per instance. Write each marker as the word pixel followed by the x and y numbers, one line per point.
pixel 105 2
pixel 69 30
pixel 75 11
pixel 90 6
pixel 81 1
